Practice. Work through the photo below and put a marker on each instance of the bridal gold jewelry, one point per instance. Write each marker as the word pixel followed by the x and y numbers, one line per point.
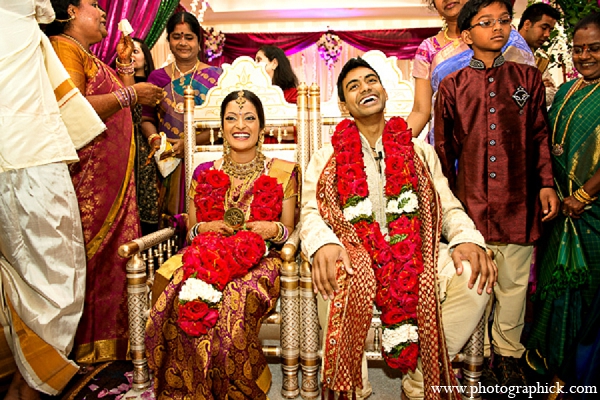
pixel 241 100
pixel 243 171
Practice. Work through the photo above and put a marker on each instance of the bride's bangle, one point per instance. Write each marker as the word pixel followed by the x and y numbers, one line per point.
pixel 194 231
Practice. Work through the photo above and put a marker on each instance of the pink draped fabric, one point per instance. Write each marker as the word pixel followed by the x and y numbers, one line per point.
pixel 139 13
pixel 402 43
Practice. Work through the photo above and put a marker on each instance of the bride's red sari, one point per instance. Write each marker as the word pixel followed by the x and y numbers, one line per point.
pixel 105 188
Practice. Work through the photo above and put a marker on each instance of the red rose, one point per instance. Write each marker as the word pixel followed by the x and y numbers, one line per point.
pixel 408 302
pixel 247 248
pixel 395 164
pixel 405 282
pixel 345 157
pixel 203 189
pixel 267 184
pixel 393 316
pixel 406 361
pixel 344 190
pixel 350 172
pixel 217 178
pixel 264 199
pixel 397 124
pixel 262 214
pixel 341 127
pixel 403 250
pixel 360 187
pixel 196 318
pixel 393 187
pixel 411 354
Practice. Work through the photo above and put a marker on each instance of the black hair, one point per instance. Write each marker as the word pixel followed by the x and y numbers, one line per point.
pixel 536 12
pixel 472 7
pixel 284 75
pixel 61 11
pixel 184 17
pixel 149 61
pixel 350 65
pixel 254 99
pixel 430 4
pixel 590 19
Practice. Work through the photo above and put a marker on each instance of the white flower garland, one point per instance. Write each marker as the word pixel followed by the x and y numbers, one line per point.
pixel 402 334
pixel 194 289
pixel 365 207
pixel 406 203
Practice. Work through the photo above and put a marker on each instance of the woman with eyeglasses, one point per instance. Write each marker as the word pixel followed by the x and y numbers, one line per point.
pixel 445 53
pixel 565 335
pixel 103 176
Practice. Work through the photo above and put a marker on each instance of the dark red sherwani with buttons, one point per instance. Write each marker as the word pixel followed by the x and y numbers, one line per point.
pixel 491 134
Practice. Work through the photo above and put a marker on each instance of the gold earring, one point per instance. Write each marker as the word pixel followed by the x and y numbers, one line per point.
pixel 261 139
pixel 226 148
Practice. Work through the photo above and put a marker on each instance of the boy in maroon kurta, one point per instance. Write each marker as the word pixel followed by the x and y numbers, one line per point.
pixel 490 118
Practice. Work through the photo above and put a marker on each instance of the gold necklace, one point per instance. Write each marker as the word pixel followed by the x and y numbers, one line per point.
pixel 558 148
pixel 455 41
pixel 243 171
pixel 178 106
pixel 78 44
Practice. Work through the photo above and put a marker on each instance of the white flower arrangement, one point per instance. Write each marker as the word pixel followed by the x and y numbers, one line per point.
pixel 403 334
pixel 364 207
pixel 214 41
pixel 330 48
pixel 194 289
pixel 406 203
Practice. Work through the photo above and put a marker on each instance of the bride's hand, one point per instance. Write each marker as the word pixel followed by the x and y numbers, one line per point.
pixel 266 229
pixel 216 226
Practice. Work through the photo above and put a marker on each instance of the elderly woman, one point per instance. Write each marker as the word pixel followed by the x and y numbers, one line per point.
pixel 202 334
pixel 184 35
pixel 567 307
pixel 103 178
pixel 445 53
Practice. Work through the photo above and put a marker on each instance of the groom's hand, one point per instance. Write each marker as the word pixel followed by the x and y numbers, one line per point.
pixel 324 269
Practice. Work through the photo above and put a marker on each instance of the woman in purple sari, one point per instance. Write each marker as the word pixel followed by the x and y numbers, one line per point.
pixel 103 177
pixel 205 345
pixel 184 35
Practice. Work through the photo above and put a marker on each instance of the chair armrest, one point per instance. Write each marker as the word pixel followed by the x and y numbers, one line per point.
pixel 145 242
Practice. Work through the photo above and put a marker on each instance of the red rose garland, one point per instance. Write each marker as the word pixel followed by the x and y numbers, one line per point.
pixel 213 260
pixel 397 261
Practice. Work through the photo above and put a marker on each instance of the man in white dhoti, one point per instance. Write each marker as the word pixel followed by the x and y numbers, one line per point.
pixel 43 119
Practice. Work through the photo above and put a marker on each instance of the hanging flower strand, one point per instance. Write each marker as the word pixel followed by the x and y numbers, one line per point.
pixel 214 41
pixel 330 48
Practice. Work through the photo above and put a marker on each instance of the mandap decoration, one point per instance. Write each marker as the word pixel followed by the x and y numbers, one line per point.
pixel 330 48
pixel 213 260
pixel 214 41
pixel 396 259
pixel 558 48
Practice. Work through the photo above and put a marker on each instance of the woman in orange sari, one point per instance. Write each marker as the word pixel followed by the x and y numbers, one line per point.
pixel 103 177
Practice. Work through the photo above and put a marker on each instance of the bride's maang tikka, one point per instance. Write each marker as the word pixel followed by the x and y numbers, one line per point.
pixel 241 100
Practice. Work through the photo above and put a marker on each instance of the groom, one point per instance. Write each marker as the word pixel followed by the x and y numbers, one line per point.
pixel 375 205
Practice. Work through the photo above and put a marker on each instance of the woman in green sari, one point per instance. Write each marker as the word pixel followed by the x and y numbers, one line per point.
pixel 570 254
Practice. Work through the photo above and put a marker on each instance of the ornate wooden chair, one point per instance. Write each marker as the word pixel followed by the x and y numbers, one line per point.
pixel 150 251
pixel 323 119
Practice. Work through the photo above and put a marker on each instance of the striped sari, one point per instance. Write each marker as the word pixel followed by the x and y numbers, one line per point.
pixel 569 278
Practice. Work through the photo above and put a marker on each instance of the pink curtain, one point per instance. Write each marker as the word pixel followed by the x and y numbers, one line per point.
pixel 402 43
pixel 139 13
